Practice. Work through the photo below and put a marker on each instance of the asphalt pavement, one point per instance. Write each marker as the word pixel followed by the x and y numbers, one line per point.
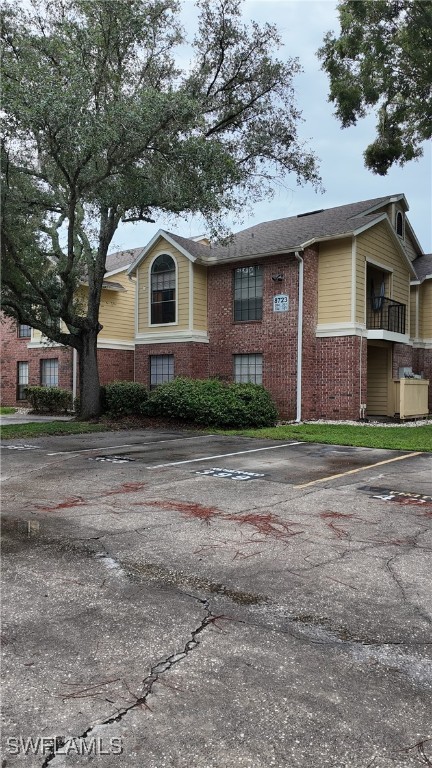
pixel 173 599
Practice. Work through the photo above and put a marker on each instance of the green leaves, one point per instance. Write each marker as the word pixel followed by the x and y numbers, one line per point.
pixel 101 125
pixel 382 60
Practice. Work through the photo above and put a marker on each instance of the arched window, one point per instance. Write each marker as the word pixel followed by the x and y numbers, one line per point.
pixel 399 224
pixel 163 285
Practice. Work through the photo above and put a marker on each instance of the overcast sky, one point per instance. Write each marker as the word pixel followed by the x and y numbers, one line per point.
pixel 303 24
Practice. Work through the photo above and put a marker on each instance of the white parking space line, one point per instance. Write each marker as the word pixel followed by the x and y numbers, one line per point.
pixel 225 455
pixel 359 469
pixel 128 445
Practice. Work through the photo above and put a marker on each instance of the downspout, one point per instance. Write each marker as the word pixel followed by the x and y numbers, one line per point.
pixel 299 335
pixel 74 373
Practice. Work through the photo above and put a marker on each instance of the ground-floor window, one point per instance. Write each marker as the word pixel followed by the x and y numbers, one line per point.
pixel 49 372
pixel 161 369
pixel 22 379
pixel 248 368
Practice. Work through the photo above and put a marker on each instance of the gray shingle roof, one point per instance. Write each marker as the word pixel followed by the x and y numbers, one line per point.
pixel 423 265
pixel 283 235
pixel 121 259
pixel 199 250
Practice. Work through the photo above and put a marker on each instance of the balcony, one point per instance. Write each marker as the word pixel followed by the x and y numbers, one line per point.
pixel 386 314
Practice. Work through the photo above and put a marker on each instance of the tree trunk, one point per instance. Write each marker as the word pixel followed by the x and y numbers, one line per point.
pixel 90 406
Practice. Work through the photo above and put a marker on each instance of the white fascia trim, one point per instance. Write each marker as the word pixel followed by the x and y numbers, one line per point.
pixel 44 344
pixel 324 239
pixel 169 338
pixel 399 338
pixel 415 282
pixel 160 233
pixel 394 236
pixel 378 264
pixel 209 260
pixel 413 235
pixel 324 330
pixel 422 343
pixel 117 271
pixel 191 296
pixel 114 344
pixel 353 279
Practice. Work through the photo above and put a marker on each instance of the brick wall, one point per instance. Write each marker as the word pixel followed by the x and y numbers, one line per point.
pixel 275 336
pixel 339 391
pixel 190 359
pixel 15 350
pixel 115 365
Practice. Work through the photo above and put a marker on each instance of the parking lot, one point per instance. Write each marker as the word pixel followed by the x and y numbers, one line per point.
pixel 203 601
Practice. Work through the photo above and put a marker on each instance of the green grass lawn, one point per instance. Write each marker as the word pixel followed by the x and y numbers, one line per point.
pixel 5 409
pixel 41 429
pixel 399 438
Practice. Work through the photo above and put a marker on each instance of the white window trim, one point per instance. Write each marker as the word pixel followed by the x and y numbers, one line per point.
pixel 162 325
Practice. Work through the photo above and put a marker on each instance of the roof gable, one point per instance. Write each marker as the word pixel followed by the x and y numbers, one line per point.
pixel 187 247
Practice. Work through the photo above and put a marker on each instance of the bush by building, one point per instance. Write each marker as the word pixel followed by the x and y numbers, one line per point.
pixel 211 402
pixel 49 399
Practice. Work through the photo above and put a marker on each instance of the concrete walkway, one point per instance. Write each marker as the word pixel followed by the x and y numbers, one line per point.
pixel 26 417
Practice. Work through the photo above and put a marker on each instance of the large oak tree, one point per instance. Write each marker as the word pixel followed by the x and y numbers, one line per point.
pixel 102 126
pixel 382 61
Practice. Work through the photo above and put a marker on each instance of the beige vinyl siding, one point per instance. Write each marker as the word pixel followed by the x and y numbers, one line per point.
pixel 334 282
pixel 38 338
pixel 377 381
pixel 182 294
pixel 410 247
pixel 200 298
pixel 117 310
pixel 378 245
pixel 426 310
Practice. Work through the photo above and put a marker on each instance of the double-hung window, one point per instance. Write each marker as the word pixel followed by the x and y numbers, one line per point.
pixel 161 369
pixel 248 290
pixel 24 331
pixel 22 379
pixel 163 290
pixel 49 372
pixel 248 369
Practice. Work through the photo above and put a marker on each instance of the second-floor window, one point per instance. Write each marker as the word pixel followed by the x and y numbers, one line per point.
pixel 163 290
pixel 24 331
pixel 400 224
pixel 248 290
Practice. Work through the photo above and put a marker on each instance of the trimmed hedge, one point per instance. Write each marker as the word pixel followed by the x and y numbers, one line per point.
pixel 125 398
pixel 49 399
pixel 212 402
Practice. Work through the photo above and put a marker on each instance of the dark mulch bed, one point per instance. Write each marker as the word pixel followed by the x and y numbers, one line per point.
pixel 143 422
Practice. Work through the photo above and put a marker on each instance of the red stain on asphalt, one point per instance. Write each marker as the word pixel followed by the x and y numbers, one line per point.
pixel 74 501
pixel 269 525
pixel 337 515
pixel 125 488
pixel 186 508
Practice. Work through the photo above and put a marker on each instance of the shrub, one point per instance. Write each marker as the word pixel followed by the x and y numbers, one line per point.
pixel 49 399
pixel 212 402
pixel 125 398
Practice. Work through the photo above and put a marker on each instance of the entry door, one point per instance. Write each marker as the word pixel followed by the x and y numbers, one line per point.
pixel 378 381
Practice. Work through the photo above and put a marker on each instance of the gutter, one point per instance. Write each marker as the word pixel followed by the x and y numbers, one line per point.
pixel 299 336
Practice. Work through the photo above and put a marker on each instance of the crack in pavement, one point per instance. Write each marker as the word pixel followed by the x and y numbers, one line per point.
pixel 148 683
